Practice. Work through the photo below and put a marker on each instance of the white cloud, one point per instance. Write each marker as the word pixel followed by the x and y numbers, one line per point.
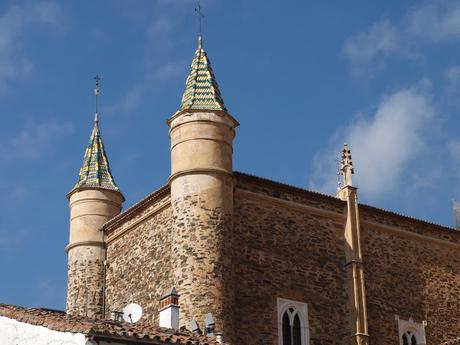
pixel 453 74
pixel 437 20
pixel 14 23
pixel 426 23
pixel 381 40
pixel 33 140
pixel 382 145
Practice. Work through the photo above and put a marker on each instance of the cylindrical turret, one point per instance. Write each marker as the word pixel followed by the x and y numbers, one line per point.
pixel 89 210
pixel 202 199
pixel 94 200
pixel 201 181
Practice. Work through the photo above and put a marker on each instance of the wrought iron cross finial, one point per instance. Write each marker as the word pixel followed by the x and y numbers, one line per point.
pixel 97 91
pixel 200 16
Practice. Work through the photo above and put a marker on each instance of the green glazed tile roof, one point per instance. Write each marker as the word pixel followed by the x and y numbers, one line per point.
pixel 201 89
pixel 95 171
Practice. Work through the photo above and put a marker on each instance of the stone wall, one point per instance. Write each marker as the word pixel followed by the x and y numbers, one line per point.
pixel 285 243
pixel 410 273
pixel 85 269
pixel 139 259
pixel 289 243
pixel 202 259
pixel 286 250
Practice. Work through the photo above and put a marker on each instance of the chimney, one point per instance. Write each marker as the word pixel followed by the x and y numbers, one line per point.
pixel 169 309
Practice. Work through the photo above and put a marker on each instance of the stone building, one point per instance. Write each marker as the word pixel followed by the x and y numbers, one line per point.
pixel 272 263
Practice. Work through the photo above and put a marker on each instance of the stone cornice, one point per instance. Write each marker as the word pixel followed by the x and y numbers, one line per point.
pixel 110 238
pixel 135 209
pixel 85 243
pixel 221 113
pixel 342 216
pixel 198 171
pixel 290 204
pixel 364 209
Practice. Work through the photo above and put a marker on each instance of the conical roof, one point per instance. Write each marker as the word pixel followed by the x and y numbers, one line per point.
pixel 95 171
pixel 201 88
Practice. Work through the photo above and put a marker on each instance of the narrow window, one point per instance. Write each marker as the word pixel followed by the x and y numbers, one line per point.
pixel 292 323
pixel 405 341
pixel 297 337
pixel 291 328
pixel 287 330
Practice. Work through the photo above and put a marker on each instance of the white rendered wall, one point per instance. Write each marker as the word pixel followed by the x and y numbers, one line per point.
pixel 13 332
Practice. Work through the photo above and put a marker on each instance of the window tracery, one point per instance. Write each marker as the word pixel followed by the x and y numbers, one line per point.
pixel 292 322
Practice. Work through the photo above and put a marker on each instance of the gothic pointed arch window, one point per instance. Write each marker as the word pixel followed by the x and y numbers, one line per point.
pixel 292 323
pixel 409 338
pixel 410 332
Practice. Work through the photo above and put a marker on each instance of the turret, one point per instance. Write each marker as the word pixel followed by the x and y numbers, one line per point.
pixel 201 134
pixel 94 200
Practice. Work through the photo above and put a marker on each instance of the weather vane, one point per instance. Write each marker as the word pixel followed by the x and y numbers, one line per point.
pixel 97 91
pixel 200 15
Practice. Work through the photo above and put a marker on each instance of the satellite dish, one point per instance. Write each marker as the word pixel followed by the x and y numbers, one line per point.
pixel 132 313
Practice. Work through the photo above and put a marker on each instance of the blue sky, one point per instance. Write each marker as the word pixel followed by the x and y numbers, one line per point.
pixel 302 77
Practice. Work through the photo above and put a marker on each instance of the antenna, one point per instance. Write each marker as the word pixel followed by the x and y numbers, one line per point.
pixel 132 313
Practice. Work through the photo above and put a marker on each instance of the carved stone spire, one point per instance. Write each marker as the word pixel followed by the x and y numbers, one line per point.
pixel 346 166
pixel 354 259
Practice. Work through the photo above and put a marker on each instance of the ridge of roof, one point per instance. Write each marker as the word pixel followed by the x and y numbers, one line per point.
pixel 290 188
pixel 136 207
pixel 95 171
pixel 201 88
pixel 60 321
pixel 323 196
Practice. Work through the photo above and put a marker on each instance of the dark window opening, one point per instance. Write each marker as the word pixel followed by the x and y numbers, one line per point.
pixel 405 341
pixel 287 330
pixel 407 336
pixel 292 333
pixel 296 331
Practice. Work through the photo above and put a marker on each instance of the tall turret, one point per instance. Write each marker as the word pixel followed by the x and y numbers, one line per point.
pixel 201 181
pixel 94 200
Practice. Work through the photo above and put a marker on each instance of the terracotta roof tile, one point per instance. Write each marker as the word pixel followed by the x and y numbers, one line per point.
pixel 60 321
